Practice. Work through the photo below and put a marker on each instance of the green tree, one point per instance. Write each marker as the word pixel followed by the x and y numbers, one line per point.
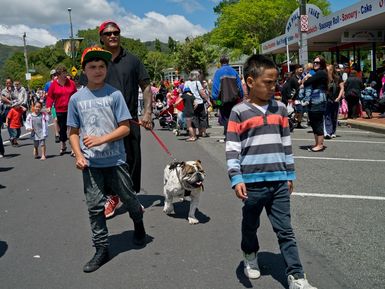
pixel 135 47
pixel 195 53
pixel 218 9
pixel 171 44
pixel 14 68
pixel 91 37
pixel 36 83
pixel 158 45
pixel 155 62
pixel 245 24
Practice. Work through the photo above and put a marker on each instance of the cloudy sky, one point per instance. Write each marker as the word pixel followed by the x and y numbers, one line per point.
pixel 47 21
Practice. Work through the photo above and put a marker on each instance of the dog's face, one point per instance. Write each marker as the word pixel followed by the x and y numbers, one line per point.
pixel 193 174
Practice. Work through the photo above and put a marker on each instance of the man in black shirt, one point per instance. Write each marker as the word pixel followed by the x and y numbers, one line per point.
pixel 353 87
pixel 126 73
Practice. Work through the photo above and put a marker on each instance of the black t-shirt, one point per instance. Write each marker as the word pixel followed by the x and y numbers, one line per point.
pixel 334 88
pixel 125 73
pixel 188 101
pixel 353 87
pixel 290 86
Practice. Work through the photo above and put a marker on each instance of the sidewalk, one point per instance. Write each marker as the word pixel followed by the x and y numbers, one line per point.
pixel 375 124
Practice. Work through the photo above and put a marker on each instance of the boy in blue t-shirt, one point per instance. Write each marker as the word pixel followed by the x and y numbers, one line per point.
pixel 99 119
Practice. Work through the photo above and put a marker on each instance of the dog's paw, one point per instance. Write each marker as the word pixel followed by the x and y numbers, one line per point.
pixel 169 211
pixel 192 221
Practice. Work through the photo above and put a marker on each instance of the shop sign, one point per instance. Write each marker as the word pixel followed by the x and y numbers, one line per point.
pixel 363 36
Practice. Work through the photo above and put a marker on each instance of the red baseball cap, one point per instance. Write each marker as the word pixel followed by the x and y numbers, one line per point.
pixel 95 52
pixel 105 24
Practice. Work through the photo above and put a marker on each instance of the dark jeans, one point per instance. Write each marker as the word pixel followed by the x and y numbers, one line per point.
pixel 331 118
pixel 98 182
pixel 62 123
pixel 275 198
pixel 225 111
pixel 368 106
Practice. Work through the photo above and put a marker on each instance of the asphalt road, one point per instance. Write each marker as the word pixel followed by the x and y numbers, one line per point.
pixel 45 233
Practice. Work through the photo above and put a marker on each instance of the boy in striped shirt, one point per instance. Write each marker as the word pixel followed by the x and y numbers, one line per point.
pixel 261 168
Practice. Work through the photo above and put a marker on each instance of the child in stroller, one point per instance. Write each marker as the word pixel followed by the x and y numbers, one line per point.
pixel 164 114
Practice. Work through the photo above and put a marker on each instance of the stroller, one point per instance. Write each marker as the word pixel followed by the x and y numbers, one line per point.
pixel 165 117
pixel 291 115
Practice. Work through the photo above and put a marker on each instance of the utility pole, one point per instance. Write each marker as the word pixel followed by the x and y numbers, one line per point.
pixel 72 39
pixel 25 52
pixel 27 74
pixel 303 28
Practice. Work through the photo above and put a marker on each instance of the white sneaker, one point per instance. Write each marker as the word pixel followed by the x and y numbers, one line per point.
pixel 333 136
pixel 251 269
pixel 301 283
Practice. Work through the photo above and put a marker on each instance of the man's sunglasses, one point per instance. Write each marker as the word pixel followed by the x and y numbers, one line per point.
pixel 110 33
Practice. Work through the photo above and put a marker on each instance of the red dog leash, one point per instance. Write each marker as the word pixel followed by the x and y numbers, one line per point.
pixel 161 143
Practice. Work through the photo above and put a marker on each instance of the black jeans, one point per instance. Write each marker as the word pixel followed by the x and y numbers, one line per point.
pixel 368 106
pixel 225 111
pixel 275 198
pixel 62 123
pixel 99 181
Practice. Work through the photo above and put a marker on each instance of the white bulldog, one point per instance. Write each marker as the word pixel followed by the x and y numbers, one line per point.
pixel 183 179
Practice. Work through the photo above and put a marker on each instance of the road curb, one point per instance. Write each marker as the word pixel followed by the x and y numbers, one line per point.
pixel 374 127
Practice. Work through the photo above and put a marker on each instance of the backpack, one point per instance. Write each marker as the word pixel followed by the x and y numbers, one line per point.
pixel 229 92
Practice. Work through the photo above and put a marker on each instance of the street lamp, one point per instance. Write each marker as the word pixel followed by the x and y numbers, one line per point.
pixel 303 23
pixel 72 39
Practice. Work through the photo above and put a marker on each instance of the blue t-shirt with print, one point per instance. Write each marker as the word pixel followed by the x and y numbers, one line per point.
pixel 98 112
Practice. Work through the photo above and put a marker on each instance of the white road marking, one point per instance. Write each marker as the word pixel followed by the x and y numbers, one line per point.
pixel 338 159
pixel 376 198
pixel 343 141
pixel 358 131
pixel 216 126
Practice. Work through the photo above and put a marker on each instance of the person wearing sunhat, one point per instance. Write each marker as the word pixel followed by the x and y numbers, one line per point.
pixel 99 119
pixel 127 73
